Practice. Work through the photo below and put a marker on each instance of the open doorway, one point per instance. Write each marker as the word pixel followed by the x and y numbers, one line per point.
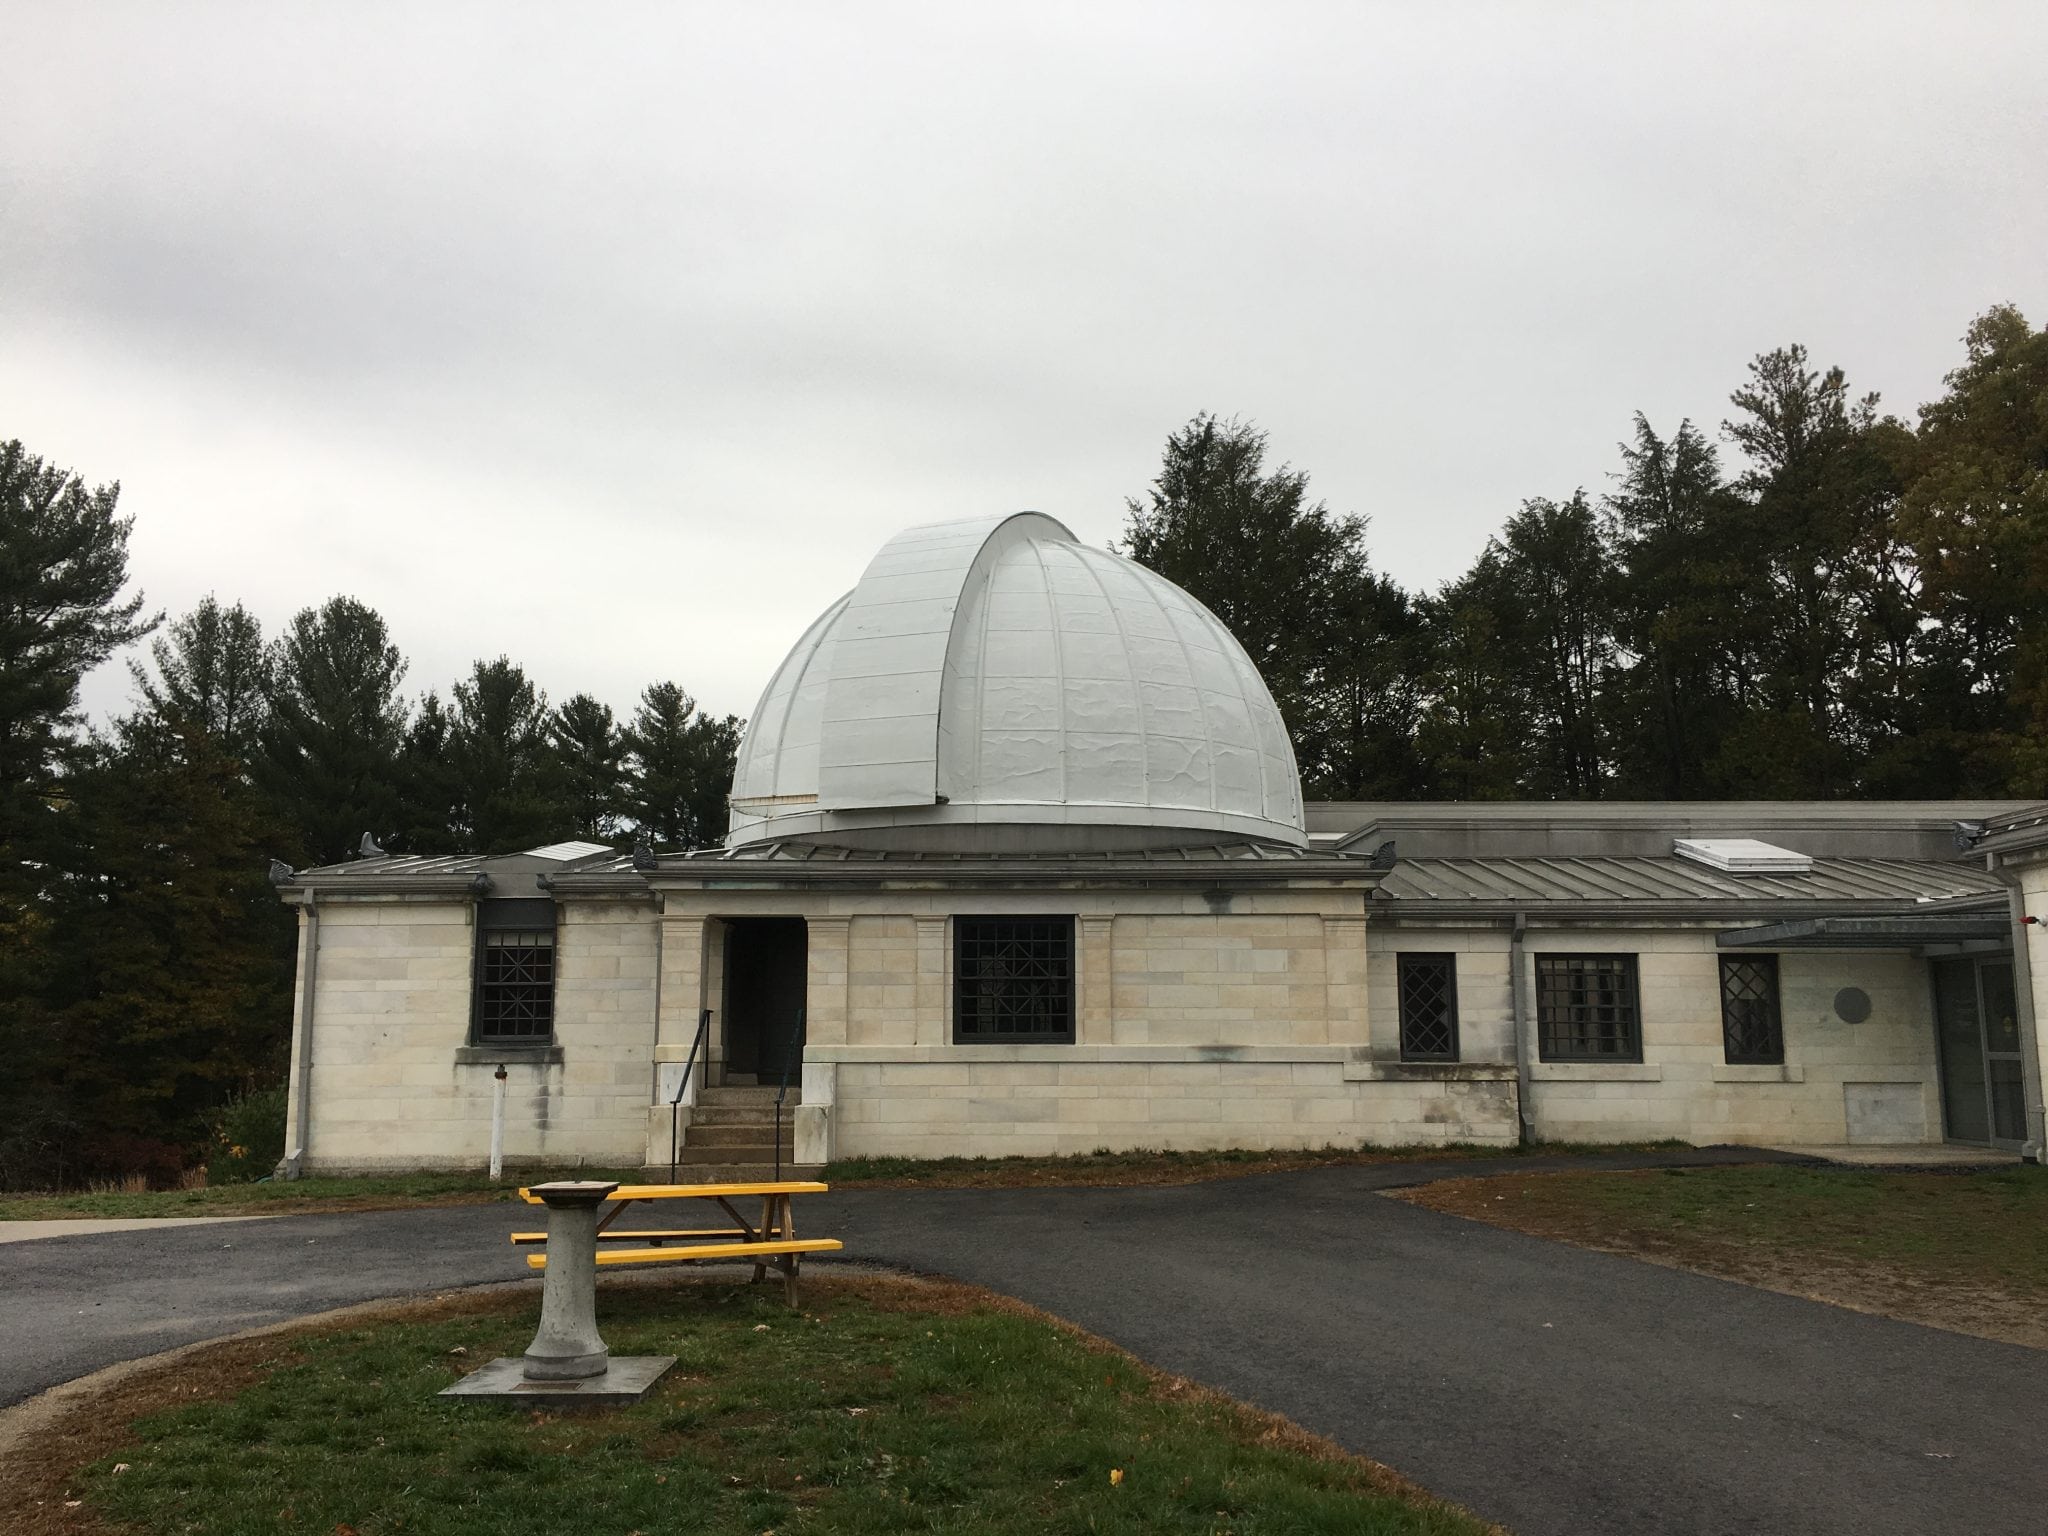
pixel 765 960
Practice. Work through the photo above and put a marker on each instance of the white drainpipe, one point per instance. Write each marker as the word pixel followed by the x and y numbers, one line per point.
pixel 1525 1109
pixel 295 1160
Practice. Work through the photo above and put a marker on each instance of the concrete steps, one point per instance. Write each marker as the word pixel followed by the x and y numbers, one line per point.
pixel 731 1137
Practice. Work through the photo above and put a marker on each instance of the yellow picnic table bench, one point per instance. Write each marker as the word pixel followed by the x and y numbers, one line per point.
pixel 771 1240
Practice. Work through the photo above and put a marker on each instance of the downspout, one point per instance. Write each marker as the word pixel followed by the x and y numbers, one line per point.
pixel 2036 1145
pixel 295 1161
pixel 1525 1110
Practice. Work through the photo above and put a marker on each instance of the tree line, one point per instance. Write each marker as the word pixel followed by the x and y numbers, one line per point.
pixel 145 961
pixel 1817 601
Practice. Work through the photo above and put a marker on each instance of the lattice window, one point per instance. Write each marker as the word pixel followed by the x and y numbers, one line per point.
pixel 1429 1007
pixel 1752 1029
pixel 1013 978
pixel 515 979
pixel 1586 1008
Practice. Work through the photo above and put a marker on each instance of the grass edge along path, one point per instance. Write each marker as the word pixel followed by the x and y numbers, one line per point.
pixel 1963 1249
pixel 876 1409
pixel 1099 1169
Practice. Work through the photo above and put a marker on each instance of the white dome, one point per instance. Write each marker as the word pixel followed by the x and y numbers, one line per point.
pixel 997 672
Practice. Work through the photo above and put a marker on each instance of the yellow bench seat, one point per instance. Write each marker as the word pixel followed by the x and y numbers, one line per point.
pixel 525 1238
pixel 698 1191
pixel 739 1250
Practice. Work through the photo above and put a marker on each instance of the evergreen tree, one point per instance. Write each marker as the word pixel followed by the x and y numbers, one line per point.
pixel 497 743
pixel 329 752
pixel 1816 488
pixel 678 769
pixel 1292 581
pixel 213 672
pixel 1678 616
pixel 430 793
pixel 590 761
pixel 63 563
pixel 1975 509
pixel 171 982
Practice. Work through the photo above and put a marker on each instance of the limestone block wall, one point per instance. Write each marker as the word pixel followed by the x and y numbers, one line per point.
pixel 1875 1081
pixel 392 1083
pixel 1200 1020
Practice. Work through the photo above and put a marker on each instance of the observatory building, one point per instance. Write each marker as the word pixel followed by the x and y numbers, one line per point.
pixel 1019 863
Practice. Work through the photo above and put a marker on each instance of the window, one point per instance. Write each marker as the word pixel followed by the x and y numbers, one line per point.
pixel 515 973
pixel 1586 1008
pixel 1013 979
pixel 1429 1007
pixel 1752 1029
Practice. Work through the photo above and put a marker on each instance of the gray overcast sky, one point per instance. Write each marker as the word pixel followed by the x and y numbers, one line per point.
pixel 617 338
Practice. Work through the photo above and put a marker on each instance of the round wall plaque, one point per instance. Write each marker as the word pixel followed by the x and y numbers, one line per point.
pixel 1852 1005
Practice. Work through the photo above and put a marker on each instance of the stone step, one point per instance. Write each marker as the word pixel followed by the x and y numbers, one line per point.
pixel 737 1093
pixel 739 1114
pixel 736 1135
pixel 735 1151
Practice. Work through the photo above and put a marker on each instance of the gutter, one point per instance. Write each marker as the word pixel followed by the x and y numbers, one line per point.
pixel 1525 1111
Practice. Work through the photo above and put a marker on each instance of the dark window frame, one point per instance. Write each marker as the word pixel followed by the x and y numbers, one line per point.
pixel 978 940
pixel 1446 962
pixel 1771 1053
pixel 1563 1038
pixel 503 984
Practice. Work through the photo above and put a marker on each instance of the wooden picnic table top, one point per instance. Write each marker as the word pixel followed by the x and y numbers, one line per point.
pixel 697 1191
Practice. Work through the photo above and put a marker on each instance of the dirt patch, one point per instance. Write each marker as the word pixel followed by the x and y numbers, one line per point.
pixel 1539 1204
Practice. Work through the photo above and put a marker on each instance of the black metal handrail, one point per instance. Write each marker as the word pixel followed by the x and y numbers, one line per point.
pixel 792 1048
pixel 675 1105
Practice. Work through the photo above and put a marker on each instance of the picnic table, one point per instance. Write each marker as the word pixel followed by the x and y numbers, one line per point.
pixel 770 1240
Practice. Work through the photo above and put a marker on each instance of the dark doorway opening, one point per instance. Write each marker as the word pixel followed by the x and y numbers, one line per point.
pixel 765 960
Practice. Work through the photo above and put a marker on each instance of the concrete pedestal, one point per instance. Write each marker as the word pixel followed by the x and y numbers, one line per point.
pixel 567 1364
pixel 567 1348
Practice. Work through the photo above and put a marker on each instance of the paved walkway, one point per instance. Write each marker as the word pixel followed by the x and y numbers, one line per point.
pixel 93 1226
pixel 1552 1389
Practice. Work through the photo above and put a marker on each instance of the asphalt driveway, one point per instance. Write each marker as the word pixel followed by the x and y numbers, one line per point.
pixel 1552 1389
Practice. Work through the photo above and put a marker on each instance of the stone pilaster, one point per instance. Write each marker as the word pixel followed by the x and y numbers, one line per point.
pixel 1095 978
pixel 825 983
pixel 1344 971
pixel 934 1008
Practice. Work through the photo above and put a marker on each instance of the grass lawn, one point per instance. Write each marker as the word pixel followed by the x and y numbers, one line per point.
pixel 380 1193
pixel 1964 1250
pixel 1134 1167
pixel 889 1405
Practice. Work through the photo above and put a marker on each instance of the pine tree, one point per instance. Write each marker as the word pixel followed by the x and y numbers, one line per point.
pixel 678 769
pixel 497 744
pixel 590 763
pixel 329 753
pixel 213 672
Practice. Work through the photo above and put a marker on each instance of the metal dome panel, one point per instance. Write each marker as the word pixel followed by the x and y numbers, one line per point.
pixel 999 672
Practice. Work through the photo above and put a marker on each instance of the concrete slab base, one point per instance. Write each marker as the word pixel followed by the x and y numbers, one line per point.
pixel 625 1381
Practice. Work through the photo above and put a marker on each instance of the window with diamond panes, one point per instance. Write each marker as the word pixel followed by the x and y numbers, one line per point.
pixel 1586 1008
pixel 1013 979
pixel 1429 1007
pixel 1752 1029
pixel 515 973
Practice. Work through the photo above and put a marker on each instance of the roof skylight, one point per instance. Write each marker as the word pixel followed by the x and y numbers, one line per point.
pixel 1742 855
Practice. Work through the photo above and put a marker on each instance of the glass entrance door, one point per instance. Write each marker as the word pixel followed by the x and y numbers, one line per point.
pixel 1977 1015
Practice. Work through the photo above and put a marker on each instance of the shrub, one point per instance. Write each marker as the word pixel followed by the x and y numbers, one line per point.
pixel 248 1137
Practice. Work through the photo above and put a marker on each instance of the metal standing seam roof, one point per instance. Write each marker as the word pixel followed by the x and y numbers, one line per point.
pixel 1623 881
pixel 1193 853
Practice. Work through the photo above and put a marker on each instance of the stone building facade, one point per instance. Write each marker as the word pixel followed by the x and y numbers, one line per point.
pixel 1020 865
